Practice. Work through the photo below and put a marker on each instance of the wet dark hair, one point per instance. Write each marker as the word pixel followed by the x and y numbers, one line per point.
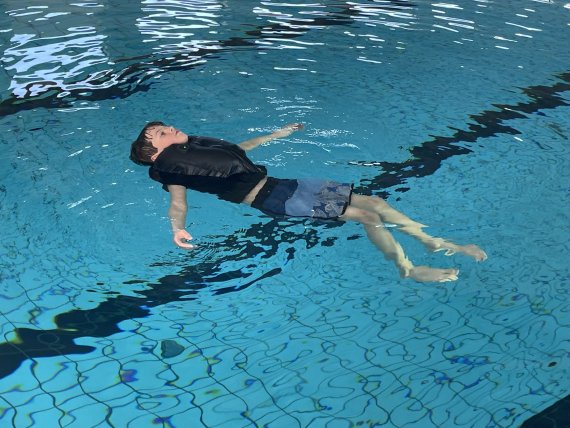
pixel 142 149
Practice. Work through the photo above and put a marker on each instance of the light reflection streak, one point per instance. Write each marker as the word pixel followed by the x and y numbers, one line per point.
pixel 522 26
pixel 182 34
pixel 447 6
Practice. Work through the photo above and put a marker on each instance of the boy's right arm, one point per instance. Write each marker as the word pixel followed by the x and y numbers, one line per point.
pixel 177 214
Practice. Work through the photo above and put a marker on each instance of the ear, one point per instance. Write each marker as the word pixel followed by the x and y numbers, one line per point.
pixel 153 157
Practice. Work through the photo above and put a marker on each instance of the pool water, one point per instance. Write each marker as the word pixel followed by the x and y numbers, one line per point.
pixel 457 113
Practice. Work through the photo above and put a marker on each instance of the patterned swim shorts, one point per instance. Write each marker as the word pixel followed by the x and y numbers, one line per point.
pixel 319 199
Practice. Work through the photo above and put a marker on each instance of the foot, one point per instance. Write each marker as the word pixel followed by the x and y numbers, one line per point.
pixel 450 249
pixel 428 274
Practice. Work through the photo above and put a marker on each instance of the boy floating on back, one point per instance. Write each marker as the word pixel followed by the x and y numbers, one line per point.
pixel 210 165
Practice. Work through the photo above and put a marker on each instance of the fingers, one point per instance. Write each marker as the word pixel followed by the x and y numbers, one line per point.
pixel 180 238
pixel 287 130
pixel 292 127
pixel 185 246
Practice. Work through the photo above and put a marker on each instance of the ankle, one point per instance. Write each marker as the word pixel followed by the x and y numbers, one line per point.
pixel 405 268
pixel 436 244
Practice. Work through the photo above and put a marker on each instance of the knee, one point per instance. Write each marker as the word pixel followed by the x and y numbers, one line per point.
pixel 366 217
pixel 379 203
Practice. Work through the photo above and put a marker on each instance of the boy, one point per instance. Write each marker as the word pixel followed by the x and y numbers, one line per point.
pixel 210 165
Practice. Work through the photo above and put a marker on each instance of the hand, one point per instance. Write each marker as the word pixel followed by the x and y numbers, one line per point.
pixel 180 236
pixel 288 130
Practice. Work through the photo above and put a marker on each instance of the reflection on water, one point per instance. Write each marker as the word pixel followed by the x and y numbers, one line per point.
pixel 164 21
pixel 88 46
pixel 58 51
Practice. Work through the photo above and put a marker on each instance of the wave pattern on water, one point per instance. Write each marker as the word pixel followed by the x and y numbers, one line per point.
pixel 74 61
pixel 44 74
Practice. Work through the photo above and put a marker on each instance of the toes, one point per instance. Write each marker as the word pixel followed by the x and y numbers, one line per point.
pixel 480 257
pixel 426 274
pixel 451 275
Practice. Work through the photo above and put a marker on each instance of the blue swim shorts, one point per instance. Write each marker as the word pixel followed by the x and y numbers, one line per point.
pixel 313 198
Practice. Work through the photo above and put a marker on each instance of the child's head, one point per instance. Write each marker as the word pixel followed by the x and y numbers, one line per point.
pixel 142 149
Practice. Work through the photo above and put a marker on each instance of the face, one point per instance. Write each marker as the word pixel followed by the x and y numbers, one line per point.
pixel 162 137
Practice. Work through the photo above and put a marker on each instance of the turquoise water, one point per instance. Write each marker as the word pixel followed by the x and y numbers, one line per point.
pixel 456 112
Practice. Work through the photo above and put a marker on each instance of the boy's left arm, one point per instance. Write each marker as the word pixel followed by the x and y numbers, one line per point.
pixel 280 133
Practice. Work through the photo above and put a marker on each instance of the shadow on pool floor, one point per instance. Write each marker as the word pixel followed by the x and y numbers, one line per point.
pixel 555 416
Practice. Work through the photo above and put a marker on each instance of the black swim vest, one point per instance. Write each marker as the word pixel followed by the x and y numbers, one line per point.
pixel 208 165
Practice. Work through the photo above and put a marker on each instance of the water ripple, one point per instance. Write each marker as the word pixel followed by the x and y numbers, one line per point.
pixel 61 52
